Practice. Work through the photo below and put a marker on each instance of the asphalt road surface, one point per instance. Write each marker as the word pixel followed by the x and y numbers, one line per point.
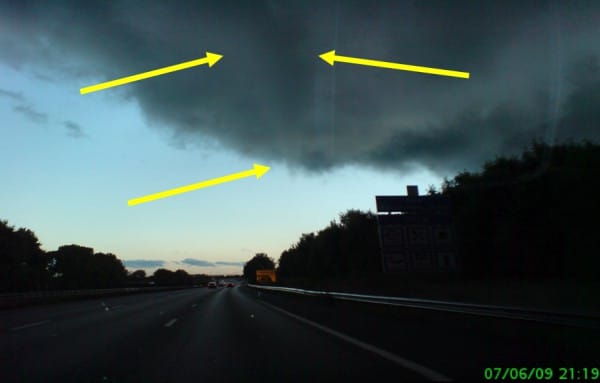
pixel 237 334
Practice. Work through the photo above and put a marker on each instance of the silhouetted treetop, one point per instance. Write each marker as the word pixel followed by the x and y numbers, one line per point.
pixel 23 265
pixel 260 261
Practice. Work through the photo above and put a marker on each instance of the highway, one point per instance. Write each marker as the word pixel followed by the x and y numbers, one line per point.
pixel 240 334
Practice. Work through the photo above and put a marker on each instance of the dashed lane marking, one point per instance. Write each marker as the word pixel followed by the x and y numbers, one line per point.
pixel 29 325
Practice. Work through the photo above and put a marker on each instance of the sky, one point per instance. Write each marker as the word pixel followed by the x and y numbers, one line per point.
pixel 333 136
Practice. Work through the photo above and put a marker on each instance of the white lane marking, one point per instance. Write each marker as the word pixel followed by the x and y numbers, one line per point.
pixel 29 325
pixel 405 363
pixel 171 322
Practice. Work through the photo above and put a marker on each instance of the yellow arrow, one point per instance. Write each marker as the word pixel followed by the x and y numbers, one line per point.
pixel 257 170
pixel 210 59
pixel 330 58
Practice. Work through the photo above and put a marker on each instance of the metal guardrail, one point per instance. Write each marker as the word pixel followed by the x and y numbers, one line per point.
pixel 574 319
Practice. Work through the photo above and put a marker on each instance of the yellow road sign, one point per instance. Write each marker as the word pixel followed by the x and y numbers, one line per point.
pixel 266 276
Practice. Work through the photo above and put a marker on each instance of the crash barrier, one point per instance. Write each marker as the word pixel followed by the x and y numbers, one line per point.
pixel 574 319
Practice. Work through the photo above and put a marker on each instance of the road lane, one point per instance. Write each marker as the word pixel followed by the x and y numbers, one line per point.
pixel 29 325
pixel 459 345
pixel 69 344
pixel 228 336
pixel 243 340
pixel 404 363
pixel 237 334
pixel 16 317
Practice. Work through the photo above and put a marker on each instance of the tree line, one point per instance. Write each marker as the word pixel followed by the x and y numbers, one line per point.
pixel 529 216
pixel 349 246
pixel 24 266
pixel 533 215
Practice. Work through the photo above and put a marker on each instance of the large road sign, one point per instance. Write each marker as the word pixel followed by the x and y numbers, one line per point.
pixel 416 233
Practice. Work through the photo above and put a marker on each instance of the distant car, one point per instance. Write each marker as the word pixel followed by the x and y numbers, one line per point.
pixel 230 284
pixel 212 285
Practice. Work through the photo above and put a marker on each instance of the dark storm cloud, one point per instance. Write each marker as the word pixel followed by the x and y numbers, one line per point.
pixel 74 130
pixel 32 114
pixel 272 98
pixel 143 264
pixel 197 262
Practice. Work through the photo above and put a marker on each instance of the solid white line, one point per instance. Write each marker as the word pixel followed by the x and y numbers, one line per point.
pixel 29 325
pixel 405 363
pixel 171 322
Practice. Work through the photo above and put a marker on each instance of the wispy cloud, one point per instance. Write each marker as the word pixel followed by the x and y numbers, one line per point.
pixel 42 77
pixel 32 114
pixel 16 96
pixel 197 262
pixel 143 264
pixel 203 263
pixel 222 263
pixel 74 130
pixel 23 106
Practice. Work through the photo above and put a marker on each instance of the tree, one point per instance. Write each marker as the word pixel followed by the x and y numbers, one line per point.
pixel 259 262
pixel 359 242
pixel 138 275
pixel 77 267
pixel 164 277
pixel 181 278
pixel 326 259
pixel 294 261
pixel 348 247
pixel 526 216
pixel 23 265
pixel 431 190
pixel 70 266
pixel 107 271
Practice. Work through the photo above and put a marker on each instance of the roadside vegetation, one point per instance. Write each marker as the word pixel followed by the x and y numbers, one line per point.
pixel 24 267
pixel 528 220
pixel 531 217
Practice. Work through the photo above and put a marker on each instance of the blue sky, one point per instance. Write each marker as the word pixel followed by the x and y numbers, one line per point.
pixel 75 189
